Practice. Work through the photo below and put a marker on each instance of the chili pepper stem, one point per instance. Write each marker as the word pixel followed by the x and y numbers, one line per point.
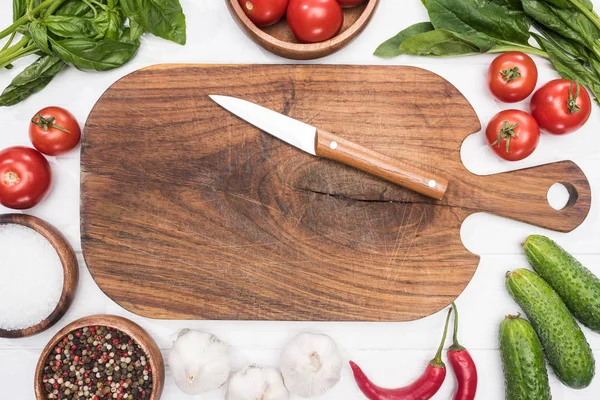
pixel 437 360
pixel 455 345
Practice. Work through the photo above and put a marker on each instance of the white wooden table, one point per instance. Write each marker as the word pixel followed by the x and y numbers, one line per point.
pixel 392 353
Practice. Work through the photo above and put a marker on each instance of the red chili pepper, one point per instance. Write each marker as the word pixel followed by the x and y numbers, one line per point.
pixel 463 365
pixel 423 388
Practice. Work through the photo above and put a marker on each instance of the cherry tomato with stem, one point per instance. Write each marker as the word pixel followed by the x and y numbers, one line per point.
pixel 561 106
pixel 350 3
pixel 54 131
pixel 25 177
pixel 513 134
pixel 512 76
pixel 264 12
pixel 313 21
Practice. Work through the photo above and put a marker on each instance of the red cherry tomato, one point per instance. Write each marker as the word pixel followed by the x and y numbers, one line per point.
pixel 513 134
pixel 512 76
pixel 264 12
pixel 25 177
pixel 54 131
pixel 561 106
pixel 350 3
pixel 313 21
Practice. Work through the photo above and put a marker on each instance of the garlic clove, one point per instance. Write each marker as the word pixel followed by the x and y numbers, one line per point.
pixel 257 383
pixel 199 362
pixel 310 364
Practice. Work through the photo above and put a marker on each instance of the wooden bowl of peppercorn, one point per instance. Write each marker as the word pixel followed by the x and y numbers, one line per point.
pixel 76 363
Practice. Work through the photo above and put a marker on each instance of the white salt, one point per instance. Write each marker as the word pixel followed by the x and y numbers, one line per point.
pixel 31 277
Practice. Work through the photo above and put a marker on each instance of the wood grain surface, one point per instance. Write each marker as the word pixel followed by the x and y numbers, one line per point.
pixel 133 330
pixel 70 267
pixel 190 213
pixel 280 40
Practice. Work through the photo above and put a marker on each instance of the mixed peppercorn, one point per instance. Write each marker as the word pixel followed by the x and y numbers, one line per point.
pixel 97 362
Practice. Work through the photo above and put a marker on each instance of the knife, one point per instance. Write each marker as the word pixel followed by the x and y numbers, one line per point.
pixel 324 144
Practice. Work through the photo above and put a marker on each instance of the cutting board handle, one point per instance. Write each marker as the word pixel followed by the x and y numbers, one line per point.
pixel 523 195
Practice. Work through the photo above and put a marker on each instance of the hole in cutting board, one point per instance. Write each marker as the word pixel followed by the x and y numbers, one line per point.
pixel 561 195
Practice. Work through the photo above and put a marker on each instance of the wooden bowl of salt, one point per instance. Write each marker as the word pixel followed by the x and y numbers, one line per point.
pixel 39 273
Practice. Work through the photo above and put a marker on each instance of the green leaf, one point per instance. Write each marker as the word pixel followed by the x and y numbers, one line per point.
pixel 19 9
pixel 482 22
pixel 109 24
pixel 39 34
pixel 87 54
pixel 568 22
pixel 126 37
pixel 438 43
pixel 76 8
pixel 510 4
pixel 569 68
pixel 569 3
pixel 391 47
pixel 136 30
pixel 569 46
pixel 33 79
pixel 71 27
pixel 595 66
pixel 162 18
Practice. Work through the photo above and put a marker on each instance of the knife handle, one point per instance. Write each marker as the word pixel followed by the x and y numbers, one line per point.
pixel 388 168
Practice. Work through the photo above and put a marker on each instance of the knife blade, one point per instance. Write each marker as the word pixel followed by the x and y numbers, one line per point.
pixel 324 144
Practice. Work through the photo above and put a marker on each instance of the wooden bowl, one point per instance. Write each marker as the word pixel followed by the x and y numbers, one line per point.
pixel 279 39
pixel 70 270
pixel 136 332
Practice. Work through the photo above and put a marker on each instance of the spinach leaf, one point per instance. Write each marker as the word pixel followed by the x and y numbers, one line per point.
pixel 162 18
pixel 595 66
pixel 482 22
pixel 71 27
pixel 569 3
pixel 510 4
pixel 438 43
pixel 19 9
pixel 33 79
pixel 391 47
pixel 87 54
pixel 569 46
pixel 39 34
pixel 569 68
pixel 136 30
pixel 570 23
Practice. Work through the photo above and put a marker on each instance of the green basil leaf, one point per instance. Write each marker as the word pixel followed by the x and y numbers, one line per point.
pixel 391 47
pixel 126 37
pixel 484 23
pixel 162 18
pixel 136 30
pixel 110 25
pixel 19 9
pixel 569 23
pixel 39 34
pixel 438 43
pixel 569 46
pixel 76 8
pixel 87 54
pixel 569 68
pixel 71 27
pixel 33 79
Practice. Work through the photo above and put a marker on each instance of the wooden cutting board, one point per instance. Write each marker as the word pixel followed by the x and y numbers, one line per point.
pixel 190 213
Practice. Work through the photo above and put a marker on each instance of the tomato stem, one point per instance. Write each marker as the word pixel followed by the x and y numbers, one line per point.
pixel 507 132
pixel 46 123
pixel 437 360
pixel 510 74
pixel 572 102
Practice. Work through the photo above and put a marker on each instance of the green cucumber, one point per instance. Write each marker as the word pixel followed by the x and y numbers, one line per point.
pixel 525 374
pixel 576 285
pixel 566 348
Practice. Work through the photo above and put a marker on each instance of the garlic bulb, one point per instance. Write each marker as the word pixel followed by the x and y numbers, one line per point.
pixel 257 383
pixel 311 364
pixel 199 362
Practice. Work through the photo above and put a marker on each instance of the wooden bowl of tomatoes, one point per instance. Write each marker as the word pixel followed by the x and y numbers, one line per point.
pixel 302 29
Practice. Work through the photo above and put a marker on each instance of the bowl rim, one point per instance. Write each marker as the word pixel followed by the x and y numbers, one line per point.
pixel 133 330
pixel 307 50
pixel 70 267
